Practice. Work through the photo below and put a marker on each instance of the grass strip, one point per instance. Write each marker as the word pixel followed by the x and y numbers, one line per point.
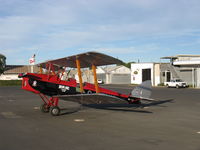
pixel 10 82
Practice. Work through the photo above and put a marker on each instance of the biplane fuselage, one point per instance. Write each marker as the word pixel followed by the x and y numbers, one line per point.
pixel 52 85
pixel 49 85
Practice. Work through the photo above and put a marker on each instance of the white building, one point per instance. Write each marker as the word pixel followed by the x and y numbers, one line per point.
pixel 145 71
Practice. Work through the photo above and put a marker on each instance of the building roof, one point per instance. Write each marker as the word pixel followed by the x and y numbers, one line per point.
pixel 187 63
pixel 184 60
pixel 169 57
pixel 181 55
pixel 111 68
pixel 16 69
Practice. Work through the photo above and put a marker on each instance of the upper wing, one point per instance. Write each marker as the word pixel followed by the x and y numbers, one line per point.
pixel 86 60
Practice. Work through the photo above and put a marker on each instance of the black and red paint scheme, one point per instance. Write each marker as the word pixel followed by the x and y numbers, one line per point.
pixel 50 86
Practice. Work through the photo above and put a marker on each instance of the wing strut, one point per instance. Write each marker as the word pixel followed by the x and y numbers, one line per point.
pixel 78 65
pixel 95 78
pixel 41 70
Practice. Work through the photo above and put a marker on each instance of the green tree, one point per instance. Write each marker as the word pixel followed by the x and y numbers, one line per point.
pixel 2 63
pixel 128 65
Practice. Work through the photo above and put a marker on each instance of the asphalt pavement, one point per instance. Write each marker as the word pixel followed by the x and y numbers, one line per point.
pixel 171 122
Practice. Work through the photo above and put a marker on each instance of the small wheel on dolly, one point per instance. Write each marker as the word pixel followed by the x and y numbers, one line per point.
pixel 44 108
pixel 55 111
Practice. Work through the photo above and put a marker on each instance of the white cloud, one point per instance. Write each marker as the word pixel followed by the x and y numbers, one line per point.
pixel 140 49
pixel 113 50
pixel 50 25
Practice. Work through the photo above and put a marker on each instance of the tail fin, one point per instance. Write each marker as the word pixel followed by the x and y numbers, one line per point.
pixel 143 90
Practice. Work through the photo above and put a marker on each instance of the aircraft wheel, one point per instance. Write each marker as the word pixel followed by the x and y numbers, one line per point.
pixel 44 108
pixel 55 111
pixel 89 92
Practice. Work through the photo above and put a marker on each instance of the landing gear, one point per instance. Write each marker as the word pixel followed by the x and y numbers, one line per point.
pixel 44 108
pixel 55 111
pixel 50 105
pixel 89 92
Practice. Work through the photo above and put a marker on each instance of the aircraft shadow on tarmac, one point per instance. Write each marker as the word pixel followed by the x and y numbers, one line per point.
pixel 66 111
pixel 157 103
pixel 124 107
pixel 129 107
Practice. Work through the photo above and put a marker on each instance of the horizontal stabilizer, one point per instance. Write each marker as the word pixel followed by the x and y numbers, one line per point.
pixel 143 91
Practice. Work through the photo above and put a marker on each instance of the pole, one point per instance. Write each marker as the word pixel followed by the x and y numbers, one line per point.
pixel 193 77
pixel 95 78
pixel 31 68
pixel 78 65
pixel 41 70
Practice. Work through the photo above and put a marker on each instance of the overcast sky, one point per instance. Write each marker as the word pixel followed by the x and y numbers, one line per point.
pixel 127 29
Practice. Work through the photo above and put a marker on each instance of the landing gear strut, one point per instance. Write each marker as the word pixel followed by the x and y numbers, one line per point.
pixel 50 105
pixel 44 108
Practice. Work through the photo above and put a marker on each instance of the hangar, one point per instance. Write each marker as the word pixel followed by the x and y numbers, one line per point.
pixel 147 71
pixel 115 74
pixel 108 74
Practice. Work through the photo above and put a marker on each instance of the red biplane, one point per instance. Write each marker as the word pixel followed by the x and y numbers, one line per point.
pixel 51 87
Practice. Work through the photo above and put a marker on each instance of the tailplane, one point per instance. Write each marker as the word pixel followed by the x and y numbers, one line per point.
pixel 142 91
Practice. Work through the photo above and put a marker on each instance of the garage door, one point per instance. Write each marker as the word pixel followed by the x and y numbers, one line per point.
pixel 121 79
pixel 186 75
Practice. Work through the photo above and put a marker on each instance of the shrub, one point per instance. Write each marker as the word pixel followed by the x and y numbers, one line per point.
pixel 161 84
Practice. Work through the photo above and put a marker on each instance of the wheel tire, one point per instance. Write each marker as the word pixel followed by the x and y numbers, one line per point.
pixel 44 108
pixel 89 92
pixel 177 86
pixel 55 111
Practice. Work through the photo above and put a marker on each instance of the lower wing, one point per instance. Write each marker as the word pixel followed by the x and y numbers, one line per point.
pixel 91 98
